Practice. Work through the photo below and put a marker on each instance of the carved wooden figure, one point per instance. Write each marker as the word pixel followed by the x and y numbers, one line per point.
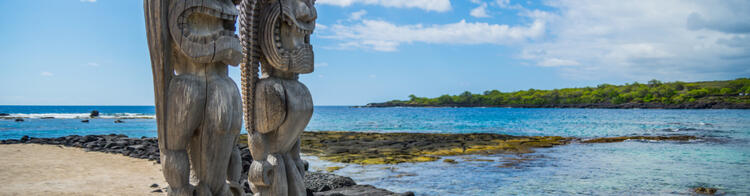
pixel 198 106
pixel 275 35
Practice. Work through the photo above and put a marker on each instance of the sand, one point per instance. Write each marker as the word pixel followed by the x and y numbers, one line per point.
pixel 33 169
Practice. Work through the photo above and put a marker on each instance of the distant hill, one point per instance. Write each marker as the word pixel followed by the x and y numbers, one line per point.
pixel 729 94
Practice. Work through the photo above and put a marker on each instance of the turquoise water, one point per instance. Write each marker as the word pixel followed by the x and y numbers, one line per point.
pixel 722 160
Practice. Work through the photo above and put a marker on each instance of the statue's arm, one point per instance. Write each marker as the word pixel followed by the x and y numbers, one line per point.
pixel 270 105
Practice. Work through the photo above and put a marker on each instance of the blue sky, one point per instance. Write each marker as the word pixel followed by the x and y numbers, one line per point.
pixel 94 52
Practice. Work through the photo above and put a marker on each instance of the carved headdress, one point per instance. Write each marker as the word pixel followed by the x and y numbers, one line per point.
pixel 275 34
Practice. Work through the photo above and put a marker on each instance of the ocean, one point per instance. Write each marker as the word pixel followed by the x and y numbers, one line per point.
pixel 720 160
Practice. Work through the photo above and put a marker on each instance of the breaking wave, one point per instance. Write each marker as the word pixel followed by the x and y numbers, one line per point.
pixel 82 115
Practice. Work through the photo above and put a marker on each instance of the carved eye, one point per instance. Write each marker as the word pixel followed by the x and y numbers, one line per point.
pixel 303 12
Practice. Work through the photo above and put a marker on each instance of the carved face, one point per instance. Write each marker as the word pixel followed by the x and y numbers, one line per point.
pixel 285 38
pixel 204 30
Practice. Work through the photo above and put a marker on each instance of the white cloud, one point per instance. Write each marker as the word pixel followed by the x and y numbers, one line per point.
pixel 385 36
pixel 555 62
pixel 480 12
pixel 628 40
pixel 357 15
pixel 428 5
pixel 89 1
pixel 47 74
pixel 507 5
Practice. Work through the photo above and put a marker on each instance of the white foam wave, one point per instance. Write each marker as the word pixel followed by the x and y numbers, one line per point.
pixel 81 115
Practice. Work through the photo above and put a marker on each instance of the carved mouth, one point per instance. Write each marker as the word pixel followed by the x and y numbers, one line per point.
pixel 204 25
pixel 286 40
pixel 300 37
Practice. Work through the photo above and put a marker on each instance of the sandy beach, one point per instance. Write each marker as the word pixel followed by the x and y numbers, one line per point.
pixel 33 169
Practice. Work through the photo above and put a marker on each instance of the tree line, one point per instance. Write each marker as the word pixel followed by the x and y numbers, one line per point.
pixel 655 91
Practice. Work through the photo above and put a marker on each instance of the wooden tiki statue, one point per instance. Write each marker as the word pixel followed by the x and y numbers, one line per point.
pixel 275 35
pixel 198 107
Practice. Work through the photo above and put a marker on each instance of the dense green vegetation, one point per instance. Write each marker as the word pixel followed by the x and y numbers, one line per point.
pixel 732 91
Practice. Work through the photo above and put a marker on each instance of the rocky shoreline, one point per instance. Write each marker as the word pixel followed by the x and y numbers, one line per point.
pixel 356 148
pixel 392 148
pixel 317 184
pixel 694 105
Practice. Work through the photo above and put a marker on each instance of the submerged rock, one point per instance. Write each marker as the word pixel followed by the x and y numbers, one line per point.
pixel 119 121
pixel 19 119
pixel 85 121
pixel 705 190
pixel 656 138
pixel 333 169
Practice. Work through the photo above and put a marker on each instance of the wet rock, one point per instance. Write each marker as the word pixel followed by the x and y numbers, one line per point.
pixel 360 190
pixel 451 161
pixel 705 190
pixel 24 139
pixel 19 119
pixel 85 121
pixel 119 121
pixel 94 114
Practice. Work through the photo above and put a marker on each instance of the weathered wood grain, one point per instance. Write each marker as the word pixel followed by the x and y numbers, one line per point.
pixel 198 106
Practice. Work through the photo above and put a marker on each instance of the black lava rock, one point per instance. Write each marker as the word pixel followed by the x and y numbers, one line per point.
pixel 318 182
pixel 94 114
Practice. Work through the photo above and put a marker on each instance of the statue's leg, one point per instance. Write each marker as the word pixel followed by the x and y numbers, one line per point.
pixel 221 126
pixel 185 112
pixel 301 164
pixel 293 176
pixel 234 171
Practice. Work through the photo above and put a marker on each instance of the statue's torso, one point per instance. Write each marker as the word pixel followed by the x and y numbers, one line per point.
pixel 298 109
